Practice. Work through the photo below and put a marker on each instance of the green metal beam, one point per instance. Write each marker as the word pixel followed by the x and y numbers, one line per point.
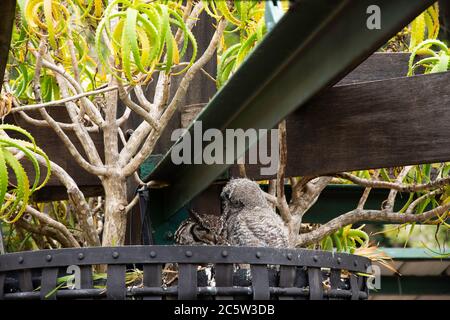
pixel 416 254
pixel 337 199
pixel 313 46
pixel 409 285
pixel 7 19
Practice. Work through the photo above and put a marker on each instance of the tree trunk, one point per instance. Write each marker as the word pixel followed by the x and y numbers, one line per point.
pixel 115 215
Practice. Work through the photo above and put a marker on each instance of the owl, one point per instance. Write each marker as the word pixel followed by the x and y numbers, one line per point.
pixel 201 229
pixel 249 219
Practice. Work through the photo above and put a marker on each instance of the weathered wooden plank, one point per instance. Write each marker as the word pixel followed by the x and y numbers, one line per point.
pixel 370 125
pixel 444 10
pixel 379 66
pixel 7 15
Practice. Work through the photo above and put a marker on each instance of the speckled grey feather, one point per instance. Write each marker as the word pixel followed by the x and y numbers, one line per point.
pixel 250 221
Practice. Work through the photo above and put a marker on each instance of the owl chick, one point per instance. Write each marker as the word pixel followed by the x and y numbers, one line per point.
pixel 250 221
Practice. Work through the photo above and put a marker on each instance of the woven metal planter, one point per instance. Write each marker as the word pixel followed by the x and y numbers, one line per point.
pixel 274 273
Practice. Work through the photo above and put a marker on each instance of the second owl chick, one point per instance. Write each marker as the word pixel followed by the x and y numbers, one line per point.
pixel 250 220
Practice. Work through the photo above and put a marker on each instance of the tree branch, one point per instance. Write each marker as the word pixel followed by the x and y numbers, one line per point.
pixel 149 144
pixel 51 223
pixel 62 101
pixel 389 203
pixel 438 183
pixel 44 230
pixel 367 215
pixel 281 198
pixel 90 108
pixel 137 108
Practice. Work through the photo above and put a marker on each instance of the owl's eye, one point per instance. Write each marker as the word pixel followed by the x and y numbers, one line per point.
pixel 237 202
pixel 225 195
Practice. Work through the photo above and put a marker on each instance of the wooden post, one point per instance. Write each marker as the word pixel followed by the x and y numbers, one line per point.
pixel 444 8
pixel 201 90
pixel 2 247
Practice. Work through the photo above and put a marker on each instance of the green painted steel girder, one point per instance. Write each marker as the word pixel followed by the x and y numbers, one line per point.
pixel 410 285
pixel 311 48
pixel 415 254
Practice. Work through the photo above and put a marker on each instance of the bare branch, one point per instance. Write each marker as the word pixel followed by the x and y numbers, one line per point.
pixel 43 123
pixel 307 194
pixel 137 108
pixel 80 131
pixel 368 215
pixel 75 195
pixel 53 124
pixel 43 218
pixel 90 108
pixel 110 130
pixel 242 171
pixel 389 203
pixel 416 202
pixel 123 118
pixel 281 198
pixel 271 198
pixel 146 105
pixel 161 96
pixel 149 144
pixel 100 171
pixel 132 204
pixel 366 193
pixel 61 101
pixel 43 230
pixel 438 183
pixel 79 202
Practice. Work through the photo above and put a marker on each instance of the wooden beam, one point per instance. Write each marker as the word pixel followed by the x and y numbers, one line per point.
pixel 7 16
pixel 57 193
pixel 379 66
pixel 444 9
pixel 375 125
pixel 372 124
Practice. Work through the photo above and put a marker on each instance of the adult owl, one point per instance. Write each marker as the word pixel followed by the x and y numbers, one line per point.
pixel 249 219
pixel 201 229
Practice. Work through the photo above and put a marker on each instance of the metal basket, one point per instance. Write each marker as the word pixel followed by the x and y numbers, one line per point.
pixel 273 273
